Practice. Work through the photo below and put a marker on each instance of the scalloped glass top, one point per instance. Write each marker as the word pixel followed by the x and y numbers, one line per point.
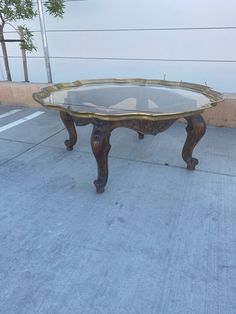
pixel 129 98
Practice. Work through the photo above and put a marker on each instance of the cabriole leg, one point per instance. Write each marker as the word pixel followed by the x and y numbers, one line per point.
pixel 100 142
pixel 140 135
pixel 195 130
pixel 70 126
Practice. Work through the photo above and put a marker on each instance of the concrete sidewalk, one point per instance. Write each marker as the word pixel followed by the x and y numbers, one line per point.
pixel 161 239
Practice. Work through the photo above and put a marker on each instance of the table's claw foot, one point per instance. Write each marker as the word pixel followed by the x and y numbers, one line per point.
pixel 195 130
pixel 100 185
pixel 140 135
pixel 192 163
pixel 68 145
pixel 70 126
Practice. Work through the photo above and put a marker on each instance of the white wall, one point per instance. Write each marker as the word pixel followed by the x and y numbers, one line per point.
pixel 107 38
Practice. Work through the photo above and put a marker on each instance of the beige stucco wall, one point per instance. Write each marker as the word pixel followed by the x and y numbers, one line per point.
pixel 19 93
pixel 224 114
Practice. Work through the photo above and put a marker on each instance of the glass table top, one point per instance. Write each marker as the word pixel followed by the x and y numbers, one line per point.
pixel 119 99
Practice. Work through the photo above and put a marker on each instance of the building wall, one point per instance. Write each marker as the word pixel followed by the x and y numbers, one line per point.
pixel 176 40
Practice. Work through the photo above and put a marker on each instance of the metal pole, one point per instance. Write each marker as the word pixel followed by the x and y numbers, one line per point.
pixel 44 39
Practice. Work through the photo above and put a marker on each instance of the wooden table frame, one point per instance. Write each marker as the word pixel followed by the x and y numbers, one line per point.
pixel 100 138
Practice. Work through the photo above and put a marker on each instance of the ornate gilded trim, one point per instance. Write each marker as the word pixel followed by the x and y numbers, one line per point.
pixel 213 96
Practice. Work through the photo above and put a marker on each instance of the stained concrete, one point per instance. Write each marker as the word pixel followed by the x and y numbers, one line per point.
pixel 161 239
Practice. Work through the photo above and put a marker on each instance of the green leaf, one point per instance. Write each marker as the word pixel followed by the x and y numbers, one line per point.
pixel 13 10
pixel 27 36
pixel 55 7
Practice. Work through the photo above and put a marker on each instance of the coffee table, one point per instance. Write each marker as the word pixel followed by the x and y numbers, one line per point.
pixel 146 106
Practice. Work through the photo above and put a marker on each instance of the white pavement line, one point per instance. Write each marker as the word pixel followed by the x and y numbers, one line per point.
pixel 9 113
pixel 17 122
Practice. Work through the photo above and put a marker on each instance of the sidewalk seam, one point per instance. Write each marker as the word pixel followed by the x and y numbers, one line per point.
pixel 30 148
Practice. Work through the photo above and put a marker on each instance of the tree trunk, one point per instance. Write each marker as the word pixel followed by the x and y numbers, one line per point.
pixel 25 67
pixel 5 57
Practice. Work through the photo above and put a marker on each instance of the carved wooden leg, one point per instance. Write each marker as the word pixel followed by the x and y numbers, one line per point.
pixel 195 130
pixel 100 142
pixel 70 126
pixel 140 135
